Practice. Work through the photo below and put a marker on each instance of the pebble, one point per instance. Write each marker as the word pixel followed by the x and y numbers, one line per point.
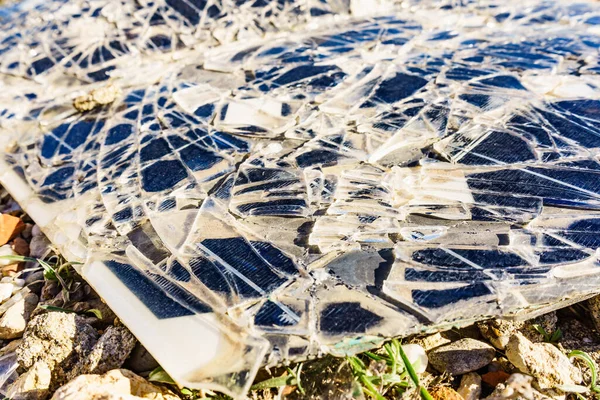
pixel 7 290
pixel 33 384
pixel 27 231
pixel 108 316
pixel 498 331
pixel 10 227
pixel 36 231
pixel 15 319
pixel 417 357
pixel 493 378
pixel 34 277
pixel 6 250
pixel 462 356
pixel 431 341
pixel 20 246
pixel 470 386
pixel 116 384
pixel 517 387
pixel 39 247
pixel 140 360
pixel 97 97
pixel 543 361
pixel 444 393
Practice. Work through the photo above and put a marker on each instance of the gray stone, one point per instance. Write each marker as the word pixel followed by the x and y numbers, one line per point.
pixel 34 277
pixel 61 340
pixel 141 360
pixel 108 316
pixel 33 384
pixel 543 361
pixel 39 246
pixel 118 384
pixel 462 356
pixel 14 320
pixel 110 352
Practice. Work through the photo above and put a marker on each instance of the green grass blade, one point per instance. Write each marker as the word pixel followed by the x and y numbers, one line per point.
pixel 97 313
pixel 585 357
pixel 300 388
pixel 425 395
pixel 49 272
pixel 18 258
pixel 285 380
pixel 373 356
pixel 374 392
pixel 160 375
pixel 54 308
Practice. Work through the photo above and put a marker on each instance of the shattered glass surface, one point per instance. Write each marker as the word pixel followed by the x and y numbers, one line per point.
pixel 273 180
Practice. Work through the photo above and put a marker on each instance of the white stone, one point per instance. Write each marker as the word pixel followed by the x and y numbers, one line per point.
pixel 6 290
pixel 417 356
pixel 6 250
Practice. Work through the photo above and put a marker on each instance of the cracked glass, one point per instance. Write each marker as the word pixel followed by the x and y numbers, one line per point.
pixel 249 183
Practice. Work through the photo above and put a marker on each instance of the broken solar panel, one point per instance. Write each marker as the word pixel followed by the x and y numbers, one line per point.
pixel 275 180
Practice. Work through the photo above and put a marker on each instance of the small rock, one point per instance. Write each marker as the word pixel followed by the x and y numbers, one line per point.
pixel 39 247
pixel 498 331
pixel 462 356
pixel 118 384
pixel 501 364
pixel 14 320
pixel 61 340
pixel 6 290
pixel 20 246
pixel 9 228
pixel 6 250
pixel 34 277
pixel 444 393
pixel 417 357
pixel 13 269
pixel 108 316
pixel 27 231
pixel 140 360
pixel 542 361
pixel 97 97
pixel 494 378
pixel 110 352
pixel 431 341
pixel 36 231
pixel 50 290
pixel 470 386
pixel 33 384
pixel 517 386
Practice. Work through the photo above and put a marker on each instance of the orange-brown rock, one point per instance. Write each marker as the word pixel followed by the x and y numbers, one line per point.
pixel 495 377
pixel 12 269
pixel 20 246
pixel 444 393
pixel 10 227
